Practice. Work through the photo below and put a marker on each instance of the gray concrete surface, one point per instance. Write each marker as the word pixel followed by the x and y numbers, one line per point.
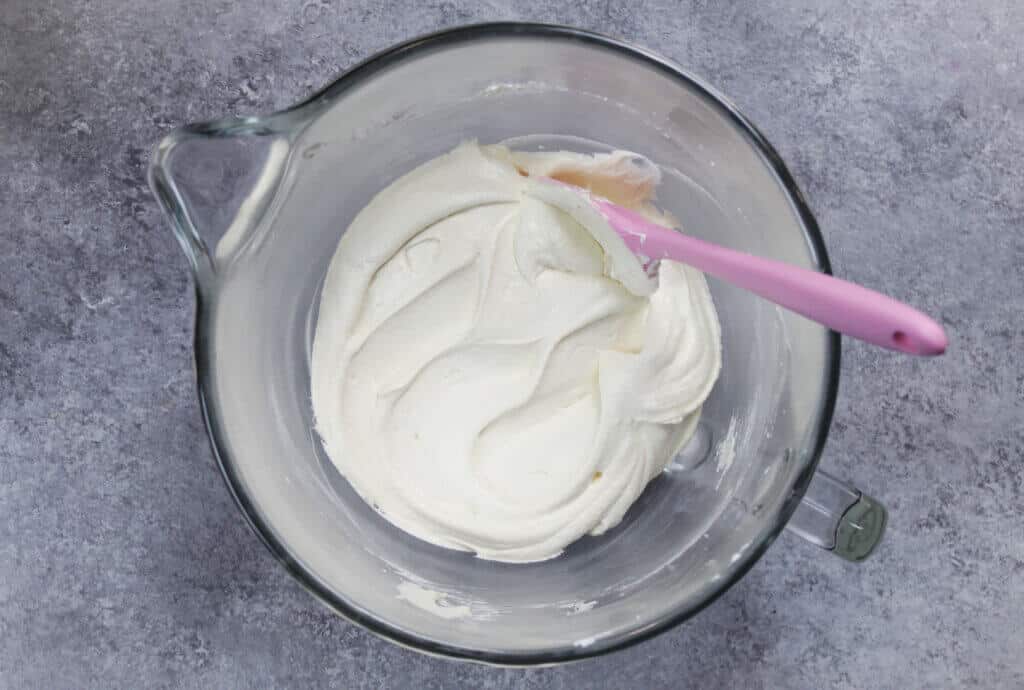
pixel 124 563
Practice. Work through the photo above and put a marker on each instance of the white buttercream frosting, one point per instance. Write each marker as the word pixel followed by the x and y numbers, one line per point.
pixel 492 369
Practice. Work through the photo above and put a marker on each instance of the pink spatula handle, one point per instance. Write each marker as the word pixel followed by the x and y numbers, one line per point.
pixel 838 304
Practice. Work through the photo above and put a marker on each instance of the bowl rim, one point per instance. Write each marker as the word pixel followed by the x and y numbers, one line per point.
pixel 285 120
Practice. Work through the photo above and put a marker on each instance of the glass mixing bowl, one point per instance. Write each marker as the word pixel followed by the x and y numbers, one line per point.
pixel 259 203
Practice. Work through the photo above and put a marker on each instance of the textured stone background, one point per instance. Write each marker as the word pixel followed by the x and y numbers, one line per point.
pixel 123 562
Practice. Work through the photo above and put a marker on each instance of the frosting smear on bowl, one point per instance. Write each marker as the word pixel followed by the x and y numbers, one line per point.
pixel 492 369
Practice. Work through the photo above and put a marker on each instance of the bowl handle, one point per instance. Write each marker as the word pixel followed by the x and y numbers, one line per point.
pixel 839 518
pixel 216 184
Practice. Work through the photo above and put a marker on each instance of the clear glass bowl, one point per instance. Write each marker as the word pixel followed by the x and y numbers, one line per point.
pixel 259 204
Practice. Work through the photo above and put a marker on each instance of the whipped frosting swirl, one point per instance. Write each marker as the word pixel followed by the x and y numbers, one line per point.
pixel 492 369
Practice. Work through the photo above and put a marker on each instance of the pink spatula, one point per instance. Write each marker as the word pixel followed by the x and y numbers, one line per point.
pixel 837 304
